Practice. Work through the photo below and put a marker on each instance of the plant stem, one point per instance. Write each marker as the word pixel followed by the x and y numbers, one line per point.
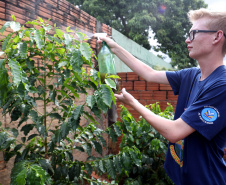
pixel 45 123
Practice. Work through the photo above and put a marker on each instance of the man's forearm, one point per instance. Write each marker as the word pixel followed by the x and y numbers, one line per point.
pixel 133 63
pixel 172 130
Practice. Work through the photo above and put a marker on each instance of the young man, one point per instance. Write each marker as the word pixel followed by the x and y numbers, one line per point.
pixel 197 136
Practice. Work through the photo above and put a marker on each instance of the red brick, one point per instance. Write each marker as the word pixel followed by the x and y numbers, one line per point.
pixel 143 102
pixel 2 16
pixel 52 2
pixel 28 6
pixel 122 76
pixel 75 12
pixel 16 9
pixel 120 85
pixel 146 95
pixel 152 86
pixel 165 87
pixel 159 95
pixel 11 1
pixel 171 96
pixel 128 85
pixel 135 94
pixel 149 102
pixel 139 85
pixel 64 3
pixel 2 4
pixel 2 10
pixel 132 76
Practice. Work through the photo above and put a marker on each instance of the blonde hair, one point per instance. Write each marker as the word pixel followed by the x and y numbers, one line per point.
pixel 217 20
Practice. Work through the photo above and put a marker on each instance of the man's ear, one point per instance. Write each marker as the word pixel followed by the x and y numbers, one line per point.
pixel 219 36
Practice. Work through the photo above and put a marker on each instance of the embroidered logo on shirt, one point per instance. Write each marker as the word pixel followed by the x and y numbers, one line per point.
pixel 209 114
pixel 176 151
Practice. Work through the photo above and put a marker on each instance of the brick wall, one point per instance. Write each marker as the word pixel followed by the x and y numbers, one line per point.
pixel 146 92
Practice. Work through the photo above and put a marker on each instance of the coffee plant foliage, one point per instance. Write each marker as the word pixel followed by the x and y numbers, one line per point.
pixel 43 65
pixel 141 135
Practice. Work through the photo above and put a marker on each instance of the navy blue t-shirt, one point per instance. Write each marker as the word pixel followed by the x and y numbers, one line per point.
pixel 198 159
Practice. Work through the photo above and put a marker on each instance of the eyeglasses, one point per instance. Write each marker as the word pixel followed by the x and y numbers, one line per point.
pixel 192 33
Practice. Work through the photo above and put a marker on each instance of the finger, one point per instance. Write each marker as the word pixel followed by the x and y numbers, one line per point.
pixel 124 91
pixel 118 95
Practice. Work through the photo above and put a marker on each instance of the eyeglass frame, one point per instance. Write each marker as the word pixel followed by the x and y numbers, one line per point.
pixel 203 31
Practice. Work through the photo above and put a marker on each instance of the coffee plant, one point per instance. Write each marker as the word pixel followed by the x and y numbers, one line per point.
pixel 152 146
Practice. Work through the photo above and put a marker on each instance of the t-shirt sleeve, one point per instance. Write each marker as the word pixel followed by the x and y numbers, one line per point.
pixel 175 78
pixel 206 114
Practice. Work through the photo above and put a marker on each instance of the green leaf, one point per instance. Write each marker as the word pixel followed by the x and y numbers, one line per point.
pixel 15 132
pixel 102 140
pixel 112 134
pixel 16 113
pixel 23 49
pixel 16 170
pixel 14 18
pixel 64 129
pixel 68 39
pixel 38 39
pixel 85 50
pixel 6 25
pixel 88 168
pixel 45 164
pixel 126 160
pixel 80 36
pixel 3 83
pixel 62 64
pixel 74 171
pixel 21 177
pixel 76 61
pixel 97 147
pixel 31 136
pixel 55 116
pixel 90 117
pixel 68 29
pixel 135 157
pixel 39 172
pixel 101 166
pixel 21 89
pixel 110 168
pixel 18 147
pixel 61 51
pixel 106 95
pixel 117 130
pixel 79 148
pixel 6 41
pixel 15 26
pixel 118 164
pixel 78 112
pixel 16 71
pixel 27 128
pixel 59 33
pixel 88 148
pixel 90 100
pixel 110 83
